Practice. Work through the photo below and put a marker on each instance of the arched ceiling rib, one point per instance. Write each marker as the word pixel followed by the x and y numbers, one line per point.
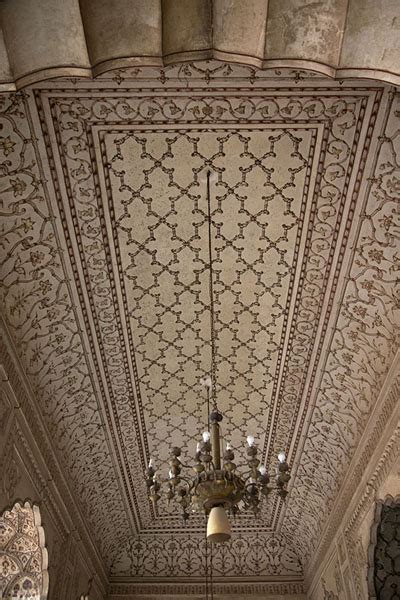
pixel 55 38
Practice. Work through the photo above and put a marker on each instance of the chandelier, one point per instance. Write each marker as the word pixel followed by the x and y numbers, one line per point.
pixel 214 485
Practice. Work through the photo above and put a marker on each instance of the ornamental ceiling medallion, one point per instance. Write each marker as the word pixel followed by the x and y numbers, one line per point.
pixel 108 306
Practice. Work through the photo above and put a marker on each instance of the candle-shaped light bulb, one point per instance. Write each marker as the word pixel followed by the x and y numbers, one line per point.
pixel 206 382
pixel 282 457
pixel 171 475
pixel 229 446
pixel 198 447
pixel 250 440
pixel 206 436
pixel 263 470
pixel 151 463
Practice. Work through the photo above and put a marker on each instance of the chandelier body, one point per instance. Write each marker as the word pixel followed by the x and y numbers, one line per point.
pixel 217 482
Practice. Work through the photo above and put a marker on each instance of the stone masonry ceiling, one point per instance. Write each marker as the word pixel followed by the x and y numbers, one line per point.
pixel 45 39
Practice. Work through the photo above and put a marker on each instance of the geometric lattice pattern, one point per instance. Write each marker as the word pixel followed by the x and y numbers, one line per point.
pixel 161 228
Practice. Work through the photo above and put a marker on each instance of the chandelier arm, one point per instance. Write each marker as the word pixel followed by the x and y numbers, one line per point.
pixel 252 483
pixel 186 481
pixel 244 466
pixel 196 485
pixel 213 467
pixel 247 477
pixel 183 481
pixel 186 466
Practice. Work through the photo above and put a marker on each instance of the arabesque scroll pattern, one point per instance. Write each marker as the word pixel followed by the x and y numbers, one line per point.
pixel 364 341
pixel 37 302
pixel 90 149
pixel 99 364
pixel 247 555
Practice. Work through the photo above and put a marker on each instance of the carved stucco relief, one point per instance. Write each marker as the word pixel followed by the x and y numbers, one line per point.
pixel 87 349
pixel 365 336
pixel 23 555
pixel 25 482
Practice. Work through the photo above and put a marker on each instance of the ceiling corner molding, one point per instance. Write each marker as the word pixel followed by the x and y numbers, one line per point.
pixel 49 39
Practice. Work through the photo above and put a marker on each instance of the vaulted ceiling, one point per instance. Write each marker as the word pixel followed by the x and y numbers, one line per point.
pixel 84 38
pixel 105 289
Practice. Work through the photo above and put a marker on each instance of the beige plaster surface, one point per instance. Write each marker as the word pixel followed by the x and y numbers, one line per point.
pixel 336 38
pixel 186 26
pixel 129 29
pixel 43 35
pixel 305 30
pixel 372 36
pixel 239 27
pixel 5 71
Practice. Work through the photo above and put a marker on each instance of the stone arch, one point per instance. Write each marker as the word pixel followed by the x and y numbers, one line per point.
pixel 23 555
pixel 383 550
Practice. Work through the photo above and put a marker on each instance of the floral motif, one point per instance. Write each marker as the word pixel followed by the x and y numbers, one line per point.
pixel 94 297
pixel 7 145
pixel 23 562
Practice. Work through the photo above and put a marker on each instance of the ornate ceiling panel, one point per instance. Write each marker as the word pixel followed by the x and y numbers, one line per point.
pixel 106 293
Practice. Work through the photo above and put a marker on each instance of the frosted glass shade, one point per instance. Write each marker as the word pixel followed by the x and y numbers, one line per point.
pixel 218 526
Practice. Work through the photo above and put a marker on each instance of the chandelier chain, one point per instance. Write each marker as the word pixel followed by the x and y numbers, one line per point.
pixel 211 293
pixel 206 557
pixel 211 572
pixel 218 485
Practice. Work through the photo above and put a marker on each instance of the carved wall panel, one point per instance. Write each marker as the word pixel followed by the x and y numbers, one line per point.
pixel 375 472
pixel 43 543
pixel 23 556
pixel 384 572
